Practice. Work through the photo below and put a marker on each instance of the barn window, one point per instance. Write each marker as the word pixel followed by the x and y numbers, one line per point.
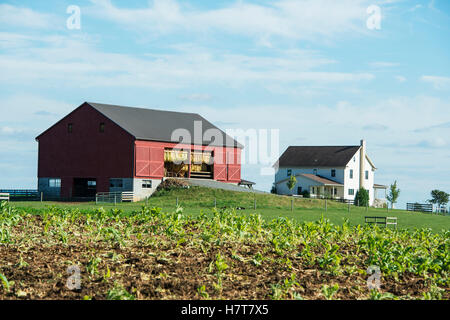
pixel 54 183
pixel 333 172
pixel 69 127
pixel 92 184
pixel 146 184
pixel 351 173
pixel 102 127
pixel 116 183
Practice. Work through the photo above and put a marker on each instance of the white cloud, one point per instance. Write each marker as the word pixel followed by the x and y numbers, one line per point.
pixel 23 17
pixel 400 78
pixel 74 61
pixel 438 82
pixel 19 113
pixel 305 19
pixel 436 142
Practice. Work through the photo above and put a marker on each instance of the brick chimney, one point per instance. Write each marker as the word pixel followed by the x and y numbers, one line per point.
pixel 362 161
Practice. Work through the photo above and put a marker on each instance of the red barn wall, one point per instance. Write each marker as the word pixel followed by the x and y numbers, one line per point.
pixel 86 152
pixel 150 160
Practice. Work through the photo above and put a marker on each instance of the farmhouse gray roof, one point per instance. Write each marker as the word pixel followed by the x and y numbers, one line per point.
pixel 319 179
pixel 317 156
pixel 159 125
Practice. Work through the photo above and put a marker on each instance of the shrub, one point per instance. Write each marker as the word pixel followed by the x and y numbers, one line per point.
pixel 362 198
pixel 305 194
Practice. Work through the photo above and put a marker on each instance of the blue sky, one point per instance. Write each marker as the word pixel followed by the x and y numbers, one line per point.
pixel 309 68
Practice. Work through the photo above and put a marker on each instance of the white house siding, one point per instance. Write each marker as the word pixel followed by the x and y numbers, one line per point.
pixel 368 184
pixel 352 183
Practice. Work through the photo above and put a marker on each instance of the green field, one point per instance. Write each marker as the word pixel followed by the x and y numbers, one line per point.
pixel 83 252
pixel 197 199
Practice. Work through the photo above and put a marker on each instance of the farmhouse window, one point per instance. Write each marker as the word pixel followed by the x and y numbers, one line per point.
pixel 315 171
pixel 116 183
pixel 367 175
pixel 147 184
pixel 70 128
pixel 54 183
pixel 102 127
pixel 289 172
pixel 299 190
pixel 351 192
pixel 333 172
pixel 351 173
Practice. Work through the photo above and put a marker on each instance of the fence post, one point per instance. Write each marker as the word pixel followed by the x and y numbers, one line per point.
pixel 255 204
pixel 177 201
pixel 42 196
pixel 96 199
pixel 348 206
pixel 326 205
pixel 215 202
pixel 292 204
pixel 115 199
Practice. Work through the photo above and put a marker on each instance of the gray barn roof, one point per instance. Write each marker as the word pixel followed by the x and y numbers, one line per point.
pixel 317 156
pixel 158 125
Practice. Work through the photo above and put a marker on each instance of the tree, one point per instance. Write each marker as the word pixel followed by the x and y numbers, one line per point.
pixel 361 198
pixel 439 197
pixel 393 194
pixel 291 183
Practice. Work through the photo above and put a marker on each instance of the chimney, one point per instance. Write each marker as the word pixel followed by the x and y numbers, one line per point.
pixel 362 161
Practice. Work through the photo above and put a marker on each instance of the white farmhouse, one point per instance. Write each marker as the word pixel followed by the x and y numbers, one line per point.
pixel 328 171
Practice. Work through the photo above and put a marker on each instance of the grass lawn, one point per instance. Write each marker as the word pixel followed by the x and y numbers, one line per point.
pixel 197 199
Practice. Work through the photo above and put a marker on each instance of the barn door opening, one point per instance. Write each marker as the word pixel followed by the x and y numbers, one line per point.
pixel 84 187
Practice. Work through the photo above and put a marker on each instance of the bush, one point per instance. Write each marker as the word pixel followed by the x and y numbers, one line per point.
pixel 362 198
pixel 273 190
pixel 305 194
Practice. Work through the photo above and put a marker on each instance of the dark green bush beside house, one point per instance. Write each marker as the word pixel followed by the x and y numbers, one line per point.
pixel 362 198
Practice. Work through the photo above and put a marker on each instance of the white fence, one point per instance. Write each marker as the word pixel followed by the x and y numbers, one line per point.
pixel 114 197
pixel 4 196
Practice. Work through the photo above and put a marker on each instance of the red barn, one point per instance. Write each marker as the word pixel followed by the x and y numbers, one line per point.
pixel 108 148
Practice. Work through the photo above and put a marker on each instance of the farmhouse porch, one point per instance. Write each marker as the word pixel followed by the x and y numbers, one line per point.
pixel 325 191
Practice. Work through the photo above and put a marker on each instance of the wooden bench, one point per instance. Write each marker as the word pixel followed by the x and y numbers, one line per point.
pixel 385 221
pixel 4 197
